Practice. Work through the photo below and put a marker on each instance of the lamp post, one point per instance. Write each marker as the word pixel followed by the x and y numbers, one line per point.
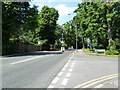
pixel 62 47
pixel 76 39
pixel 76 34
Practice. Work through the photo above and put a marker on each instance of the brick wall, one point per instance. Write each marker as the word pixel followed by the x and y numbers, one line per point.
pixel 22 48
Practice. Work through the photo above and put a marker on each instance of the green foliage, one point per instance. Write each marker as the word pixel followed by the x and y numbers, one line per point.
pixel 87 50
pixel 98 22
pixel 58 35
pixel 47 24
pixel 69 32
pixel 111 52
pixel 112 49
pixel 19 22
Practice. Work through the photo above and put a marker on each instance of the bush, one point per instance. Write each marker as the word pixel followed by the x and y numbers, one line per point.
pixel 112 49
pixel 88 50
pixel 111 52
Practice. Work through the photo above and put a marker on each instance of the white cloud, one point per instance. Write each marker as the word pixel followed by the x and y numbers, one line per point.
pixel 40 5
pixel 64 10
pixel 57 0
pixel 43 1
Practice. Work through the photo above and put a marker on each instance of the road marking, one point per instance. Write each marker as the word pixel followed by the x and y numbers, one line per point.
pixel 66 65
pixel 55 80
pixel 63 69
pixel 70 70
pixel 94 80
pixel 99 81
pixel 60 73
pixel 25 60
pixel 68 74
pixel 70 58
pixel 72 66
pixel 64 82
pixel 50 86
pixel 4 58
pixel 99 86
pixel 73 63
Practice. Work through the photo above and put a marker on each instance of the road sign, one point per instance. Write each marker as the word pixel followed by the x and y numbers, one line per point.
pixel 39 42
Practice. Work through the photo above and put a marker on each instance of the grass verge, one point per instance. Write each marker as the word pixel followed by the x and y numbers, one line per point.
pixel 90 52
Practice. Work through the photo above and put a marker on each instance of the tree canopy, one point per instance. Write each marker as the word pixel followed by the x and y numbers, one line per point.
pixel 47 24
pixel 97 23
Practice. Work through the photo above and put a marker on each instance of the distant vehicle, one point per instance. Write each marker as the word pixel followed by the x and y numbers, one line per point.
pixel 70 47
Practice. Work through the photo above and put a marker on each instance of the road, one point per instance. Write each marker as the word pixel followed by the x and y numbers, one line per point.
pixel 57 70
pixel 36 71
pixel 85 71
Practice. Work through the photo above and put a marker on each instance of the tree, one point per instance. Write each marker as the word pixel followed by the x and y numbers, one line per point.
pixel 98 21
pixel 69 32
pixel 18 18
pixel 47 24
pixel 58 34
pixel 113 18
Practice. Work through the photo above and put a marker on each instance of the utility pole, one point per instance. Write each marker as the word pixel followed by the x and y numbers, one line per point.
pixel 76 33
pixel 76 38
pixel 62 47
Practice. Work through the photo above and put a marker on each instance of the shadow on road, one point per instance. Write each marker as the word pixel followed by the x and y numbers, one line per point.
pixel 36 53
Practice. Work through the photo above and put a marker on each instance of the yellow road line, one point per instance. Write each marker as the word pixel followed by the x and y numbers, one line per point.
pixel 99 81
pixel 95 80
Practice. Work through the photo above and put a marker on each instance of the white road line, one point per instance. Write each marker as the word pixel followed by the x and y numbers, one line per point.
pixel 50 86
pixel 68 74
pixel 25 60
pixel 73 63
pixel 3 58
pixel 68 61
pixel 55 80
pixel 64 82
pixel 71 57
pixel 99 86
pixel 66 65
pixel 60 73
pixel 63 69
pixel 70 70
pixel 72 66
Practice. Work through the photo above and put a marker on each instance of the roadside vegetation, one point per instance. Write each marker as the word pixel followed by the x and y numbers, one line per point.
pixel 95 23
pixel 92 52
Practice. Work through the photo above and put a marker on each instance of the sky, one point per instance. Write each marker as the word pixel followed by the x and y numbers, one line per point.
pixel 64 7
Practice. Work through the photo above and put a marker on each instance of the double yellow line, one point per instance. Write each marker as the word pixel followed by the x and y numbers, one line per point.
pixel 95 81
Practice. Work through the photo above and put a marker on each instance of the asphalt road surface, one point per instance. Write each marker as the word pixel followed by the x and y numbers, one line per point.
pixel 35 70
pixel 57 70
pixel 85 71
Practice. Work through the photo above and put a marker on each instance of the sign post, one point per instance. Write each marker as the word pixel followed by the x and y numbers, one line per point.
pixel 40 42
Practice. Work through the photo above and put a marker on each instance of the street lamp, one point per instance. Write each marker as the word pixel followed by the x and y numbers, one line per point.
pixel 76 34
pixel 76 39
pixel 62 47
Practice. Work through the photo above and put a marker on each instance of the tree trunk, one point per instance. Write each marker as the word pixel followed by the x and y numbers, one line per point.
pixel 109 33
pixel 83 42
pixel 109 28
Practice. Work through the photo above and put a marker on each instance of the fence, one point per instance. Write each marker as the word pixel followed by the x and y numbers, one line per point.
pixel 23 48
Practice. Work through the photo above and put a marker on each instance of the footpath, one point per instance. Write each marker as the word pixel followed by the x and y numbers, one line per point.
pixel 85 71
